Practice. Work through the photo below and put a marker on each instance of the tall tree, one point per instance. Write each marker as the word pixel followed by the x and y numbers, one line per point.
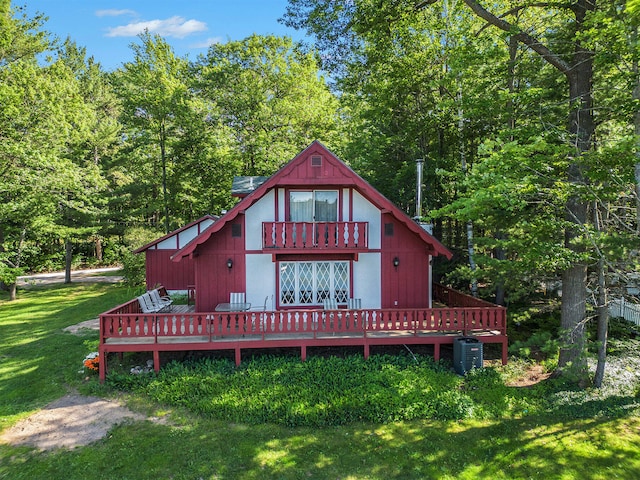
pixel 561 41
pixel 270 97
pixel 41 118
pixel 154 91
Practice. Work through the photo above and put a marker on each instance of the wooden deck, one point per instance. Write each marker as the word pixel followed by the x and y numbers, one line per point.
pixel 126 329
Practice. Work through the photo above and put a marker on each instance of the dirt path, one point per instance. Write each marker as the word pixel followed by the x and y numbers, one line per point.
pixel 88 276
pixel 71 421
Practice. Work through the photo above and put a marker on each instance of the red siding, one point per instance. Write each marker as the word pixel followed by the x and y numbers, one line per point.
pixel 214 280
pixel 162 271
pixel 331 171
pixel 408 284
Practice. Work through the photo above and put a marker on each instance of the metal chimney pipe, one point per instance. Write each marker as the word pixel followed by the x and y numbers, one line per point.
pixel 419 164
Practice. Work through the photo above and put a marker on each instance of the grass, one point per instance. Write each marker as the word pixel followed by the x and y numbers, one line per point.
pixel 39 363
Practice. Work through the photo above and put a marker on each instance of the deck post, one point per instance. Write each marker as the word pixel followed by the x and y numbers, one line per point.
pixel 156 361
pixel 102 367
pixel 505 352
pixel 436 351
pixel 238 356
pixel 366 351
pixel 303 353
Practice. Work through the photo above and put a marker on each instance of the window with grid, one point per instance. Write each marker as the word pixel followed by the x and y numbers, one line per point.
pixel 309 283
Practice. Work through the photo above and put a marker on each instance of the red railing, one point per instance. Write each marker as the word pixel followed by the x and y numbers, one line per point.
pixel 126 328
pixel 315 235
pixel 455 298
pixel 209 326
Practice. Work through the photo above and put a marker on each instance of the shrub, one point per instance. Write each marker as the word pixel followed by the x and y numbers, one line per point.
pixel 318 392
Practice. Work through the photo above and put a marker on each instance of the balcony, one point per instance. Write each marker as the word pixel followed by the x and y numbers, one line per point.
pixel 311 237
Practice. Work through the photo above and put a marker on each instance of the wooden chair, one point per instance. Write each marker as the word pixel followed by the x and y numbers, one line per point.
pixel 330 304
pixel 147 305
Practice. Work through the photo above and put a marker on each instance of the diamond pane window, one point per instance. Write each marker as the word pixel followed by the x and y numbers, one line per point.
pixel 309 283
pixel 341 282
pixel 305 283
pixel 287 284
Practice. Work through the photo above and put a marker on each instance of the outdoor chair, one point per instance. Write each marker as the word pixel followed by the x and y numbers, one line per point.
pixel 329 304
pixel 147 305
pixel 236 297
pixel 260 316
pixel 158 299
pixel 354 303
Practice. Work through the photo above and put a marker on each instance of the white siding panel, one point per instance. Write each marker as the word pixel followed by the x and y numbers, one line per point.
pixel 345 204
pixel 180 239
pixel 168 244
pixel 261 211
pixel 281 205
pixel 365 211
pixel 367 280
pixel 261 275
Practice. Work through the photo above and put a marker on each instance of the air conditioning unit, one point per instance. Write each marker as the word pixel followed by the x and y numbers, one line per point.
pixel 467 354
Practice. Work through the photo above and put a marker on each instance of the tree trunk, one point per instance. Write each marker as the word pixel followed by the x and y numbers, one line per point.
pixel 163 157
pixel 636 122
pixel 579 74
pixel 68 257
pixel 99 248
pixel 12 291
pixel 469 228
pixel 603 325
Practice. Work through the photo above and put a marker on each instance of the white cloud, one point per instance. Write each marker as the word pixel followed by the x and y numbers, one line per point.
pixel 206 43
pixel 114 13
pixel 176 27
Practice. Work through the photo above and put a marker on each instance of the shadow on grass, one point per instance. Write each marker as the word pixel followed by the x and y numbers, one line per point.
pixel 521 448
pixel 38 361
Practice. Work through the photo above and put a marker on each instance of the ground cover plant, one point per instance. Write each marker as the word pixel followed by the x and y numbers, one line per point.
pixel 541 431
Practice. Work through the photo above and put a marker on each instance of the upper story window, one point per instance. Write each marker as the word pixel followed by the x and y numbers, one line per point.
pixel 313 206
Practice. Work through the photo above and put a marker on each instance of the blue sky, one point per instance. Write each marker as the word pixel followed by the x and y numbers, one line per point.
pixel 107 28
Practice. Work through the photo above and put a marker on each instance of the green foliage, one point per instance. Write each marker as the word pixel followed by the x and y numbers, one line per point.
pixel 9 275
pixel 516 433
pixel 133 268
pixel 539 346
pixel 328 391
pixel 319 392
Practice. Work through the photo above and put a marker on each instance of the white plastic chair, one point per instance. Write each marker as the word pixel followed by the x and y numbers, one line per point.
pixel 354 303
pixel 157 299
pixel 236 297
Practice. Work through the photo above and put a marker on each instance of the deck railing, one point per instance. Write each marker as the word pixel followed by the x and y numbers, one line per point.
pixel 126 328
pixel 315 235
pixel 212 325
pixel 455 298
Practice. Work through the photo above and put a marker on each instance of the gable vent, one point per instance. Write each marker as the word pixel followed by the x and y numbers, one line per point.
pixel 316 161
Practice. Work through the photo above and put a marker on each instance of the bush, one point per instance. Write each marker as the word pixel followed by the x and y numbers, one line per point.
pixel 331 391
pixel 539 346
pixel 133 269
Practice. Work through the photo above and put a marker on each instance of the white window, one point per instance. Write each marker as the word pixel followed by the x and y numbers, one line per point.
pixel 309 283
pixel 314 206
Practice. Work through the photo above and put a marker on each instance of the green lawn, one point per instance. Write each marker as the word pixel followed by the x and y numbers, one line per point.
pixel 39 363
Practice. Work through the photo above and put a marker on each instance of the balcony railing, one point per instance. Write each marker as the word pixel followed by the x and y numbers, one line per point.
pixel 315 235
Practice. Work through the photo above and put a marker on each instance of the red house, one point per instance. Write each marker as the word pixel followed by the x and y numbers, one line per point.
pixel 320 258
pixel 314 230
pixel 160 270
